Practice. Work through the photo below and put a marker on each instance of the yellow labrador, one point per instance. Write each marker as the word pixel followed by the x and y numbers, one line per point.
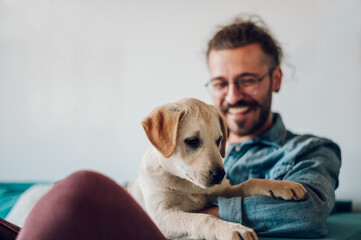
pixel 183 172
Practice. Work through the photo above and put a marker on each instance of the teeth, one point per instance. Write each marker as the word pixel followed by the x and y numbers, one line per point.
pixel 235 110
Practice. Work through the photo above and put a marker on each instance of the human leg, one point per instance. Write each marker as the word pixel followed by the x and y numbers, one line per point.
pixel 88 205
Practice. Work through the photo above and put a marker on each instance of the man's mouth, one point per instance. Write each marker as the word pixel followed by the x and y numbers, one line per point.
pixel 238 110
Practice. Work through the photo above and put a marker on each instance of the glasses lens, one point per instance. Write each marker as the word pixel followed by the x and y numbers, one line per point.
pixel 248 86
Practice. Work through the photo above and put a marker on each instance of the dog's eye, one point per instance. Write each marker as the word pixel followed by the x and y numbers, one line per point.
pixel 218 142
pixel 193 142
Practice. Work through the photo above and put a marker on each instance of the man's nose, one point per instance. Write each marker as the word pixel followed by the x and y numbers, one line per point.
pixel 234 94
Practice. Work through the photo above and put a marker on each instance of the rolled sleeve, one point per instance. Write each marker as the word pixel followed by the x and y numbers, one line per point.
pixel 230 209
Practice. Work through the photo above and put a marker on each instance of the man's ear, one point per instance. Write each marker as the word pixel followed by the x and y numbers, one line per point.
pixel 161 128
pixel 225 135
pixel 277 79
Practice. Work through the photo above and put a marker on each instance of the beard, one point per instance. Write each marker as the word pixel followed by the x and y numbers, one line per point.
pixel 263 107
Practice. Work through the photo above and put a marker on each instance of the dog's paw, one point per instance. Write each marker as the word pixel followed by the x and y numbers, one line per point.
pixel 288 190
pixel 235 231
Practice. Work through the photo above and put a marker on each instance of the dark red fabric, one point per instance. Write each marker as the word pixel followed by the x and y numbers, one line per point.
pixel 8 231
pixel 88 205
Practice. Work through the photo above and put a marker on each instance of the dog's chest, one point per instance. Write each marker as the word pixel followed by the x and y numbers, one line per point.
pixel 194 202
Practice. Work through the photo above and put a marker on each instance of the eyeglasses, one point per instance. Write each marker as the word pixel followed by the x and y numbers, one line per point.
pixel 246 84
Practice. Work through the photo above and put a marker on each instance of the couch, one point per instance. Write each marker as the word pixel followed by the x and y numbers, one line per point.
pixel 342 223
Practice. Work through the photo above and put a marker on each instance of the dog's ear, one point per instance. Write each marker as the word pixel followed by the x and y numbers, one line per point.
pixel 161 128
pixel 225 135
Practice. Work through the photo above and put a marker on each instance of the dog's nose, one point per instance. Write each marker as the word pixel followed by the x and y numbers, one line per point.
pixel 217 175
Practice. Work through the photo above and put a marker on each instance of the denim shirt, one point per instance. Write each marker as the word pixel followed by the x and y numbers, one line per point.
pixel 282 155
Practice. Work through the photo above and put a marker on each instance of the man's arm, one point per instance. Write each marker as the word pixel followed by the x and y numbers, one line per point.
pixel 318 171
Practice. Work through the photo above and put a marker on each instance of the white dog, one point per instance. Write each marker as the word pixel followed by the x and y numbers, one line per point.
pixel 183 172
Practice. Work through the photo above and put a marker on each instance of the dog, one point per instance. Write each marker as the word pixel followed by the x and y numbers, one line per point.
pixel 183 173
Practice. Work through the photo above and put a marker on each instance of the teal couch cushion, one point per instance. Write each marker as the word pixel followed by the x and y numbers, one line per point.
pixel 341 226
pixel 9 194
pixel 344 226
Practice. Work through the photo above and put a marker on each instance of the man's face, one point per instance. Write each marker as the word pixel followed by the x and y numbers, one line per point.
pixel 244 113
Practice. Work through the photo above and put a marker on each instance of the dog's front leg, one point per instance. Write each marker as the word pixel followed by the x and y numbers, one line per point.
pixel 178 224
pixel 287 190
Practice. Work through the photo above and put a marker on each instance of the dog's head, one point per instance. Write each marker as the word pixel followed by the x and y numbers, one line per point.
pixel 191 136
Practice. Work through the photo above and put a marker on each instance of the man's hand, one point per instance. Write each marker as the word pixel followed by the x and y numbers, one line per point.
pixel 212 211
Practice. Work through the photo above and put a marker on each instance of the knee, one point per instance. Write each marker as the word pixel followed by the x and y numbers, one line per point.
pixel 84 186
pixel 84 179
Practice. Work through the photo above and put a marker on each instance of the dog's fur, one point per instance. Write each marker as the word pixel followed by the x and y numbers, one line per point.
pixel 183 173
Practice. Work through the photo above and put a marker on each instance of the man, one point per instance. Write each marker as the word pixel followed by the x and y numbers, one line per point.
pixel 244 63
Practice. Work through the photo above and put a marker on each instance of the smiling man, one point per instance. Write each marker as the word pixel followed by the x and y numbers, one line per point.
pixel 244 63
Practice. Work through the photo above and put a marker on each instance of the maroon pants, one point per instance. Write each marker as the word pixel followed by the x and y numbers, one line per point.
pixel 85 205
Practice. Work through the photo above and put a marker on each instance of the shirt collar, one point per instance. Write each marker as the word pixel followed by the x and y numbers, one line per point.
pixel 275 136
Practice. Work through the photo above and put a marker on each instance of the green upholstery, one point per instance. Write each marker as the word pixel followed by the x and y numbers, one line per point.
pixel 344 226
pixel 341 226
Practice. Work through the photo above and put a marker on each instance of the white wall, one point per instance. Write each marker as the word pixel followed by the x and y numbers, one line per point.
pixel 77 78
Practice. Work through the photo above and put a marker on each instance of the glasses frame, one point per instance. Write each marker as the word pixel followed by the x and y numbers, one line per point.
pixel 238 85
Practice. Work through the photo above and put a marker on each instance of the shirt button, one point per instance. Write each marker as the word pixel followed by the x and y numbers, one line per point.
pixel 237 149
